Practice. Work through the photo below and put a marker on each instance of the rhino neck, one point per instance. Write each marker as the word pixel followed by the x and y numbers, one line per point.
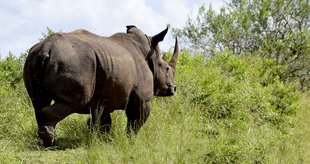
pixel 130 44
pixel 153 67
pixel 150 62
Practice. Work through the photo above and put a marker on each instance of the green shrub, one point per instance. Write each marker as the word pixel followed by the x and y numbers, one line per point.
pixel 238 95
pixel 11 69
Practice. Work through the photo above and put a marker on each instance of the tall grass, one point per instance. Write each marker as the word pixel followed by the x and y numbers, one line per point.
pixel 302 130
pixel 227 110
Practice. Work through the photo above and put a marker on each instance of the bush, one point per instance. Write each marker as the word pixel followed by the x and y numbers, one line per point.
pixel 11 69
pixel 241 99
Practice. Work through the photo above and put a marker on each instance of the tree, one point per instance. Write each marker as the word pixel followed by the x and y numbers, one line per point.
pixel 48 33
pixel 276 29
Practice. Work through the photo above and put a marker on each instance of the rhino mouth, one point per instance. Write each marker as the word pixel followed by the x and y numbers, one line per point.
pixel 169 91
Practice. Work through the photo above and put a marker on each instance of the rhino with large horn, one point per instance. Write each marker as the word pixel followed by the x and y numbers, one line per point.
pixel 86 73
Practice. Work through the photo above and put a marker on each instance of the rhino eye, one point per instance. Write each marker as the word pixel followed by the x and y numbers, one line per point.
pixel 167 69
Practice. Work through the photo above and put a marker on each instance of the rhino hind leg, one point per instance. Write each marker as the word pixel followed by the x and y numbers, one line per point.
pixel 51 115
pixel 47 135
pixel 39 105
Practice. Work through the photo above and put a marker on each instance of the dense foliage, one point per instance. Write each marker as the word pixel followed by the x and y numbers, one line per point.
pixel 274 29
pixel 11 69
pixel 245 107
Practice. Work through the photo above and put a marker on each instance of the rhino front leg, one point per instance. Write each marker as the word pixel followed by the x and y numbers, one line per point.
pixel 101 119
pixel 105 123
pixel 137 114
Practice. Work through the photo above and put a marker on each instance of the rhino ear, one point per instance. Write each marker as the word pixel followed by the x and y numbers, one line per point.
pixel 158 38
pixel 130 27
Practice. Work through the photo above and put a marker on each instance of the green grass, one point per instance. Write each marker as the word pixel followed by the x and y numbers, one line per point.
pixel 169 136
pixel 303 126
pixel 162 139
pixel 223 112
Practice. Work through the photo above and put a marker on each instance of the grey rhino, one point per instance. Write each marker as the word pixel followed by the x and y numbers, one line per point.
pixel 86 73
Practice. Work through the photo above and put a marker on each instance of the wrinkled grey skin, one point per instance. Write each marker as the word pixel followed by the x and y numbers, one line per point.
pixel 86 73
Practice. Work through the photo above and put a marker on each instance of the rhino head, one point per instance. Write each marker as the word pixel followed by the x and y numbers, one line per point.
pixel 163 71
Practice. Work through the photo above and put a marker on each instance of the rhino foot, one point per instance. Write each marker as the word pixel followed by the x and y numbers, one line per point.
pixel 47 135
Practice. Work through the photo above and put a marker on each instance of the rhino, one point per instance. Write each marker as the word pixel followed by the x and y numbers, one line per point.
pixel 81 72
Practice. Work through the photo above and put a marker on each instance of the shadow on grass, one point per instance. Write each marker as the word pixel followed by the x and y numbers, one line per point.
pixel 86 139
pixel 61 144
pixel 68 143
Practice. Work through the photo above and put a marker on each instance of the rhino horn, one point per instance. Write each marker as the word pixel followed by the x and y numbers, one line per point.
pixel 175 56
pixel 158 37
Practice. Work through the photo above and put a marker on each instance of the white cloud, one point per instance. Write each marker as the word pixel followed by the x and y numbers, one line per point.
pixel 23 21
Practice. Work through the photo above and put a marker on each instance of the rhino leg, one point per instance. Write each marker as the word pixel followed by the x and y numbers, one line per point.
pixel 38 106
pixel 51 115
pixel 96 114
pixel 47 135
pixel 137 113
pixel 105 123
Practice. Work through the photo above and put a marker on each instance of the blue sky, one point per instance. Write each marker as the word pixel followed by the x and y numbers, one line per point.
pixel 24 21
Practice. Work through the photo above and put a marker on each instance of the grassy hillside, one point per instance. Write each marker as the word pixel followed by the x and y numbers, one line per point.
pixel 227 110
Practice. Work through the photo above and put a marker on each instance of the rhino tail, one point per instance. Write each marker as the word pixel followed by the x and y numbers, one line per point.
pixel 34 71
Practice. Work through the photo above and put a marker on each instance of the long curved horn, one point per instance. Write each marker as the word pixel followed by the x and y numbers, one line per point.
pixel 175 56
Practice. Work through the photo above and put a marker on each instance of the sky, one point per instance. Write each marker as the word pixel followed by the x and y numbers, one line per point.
pixel 22 22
